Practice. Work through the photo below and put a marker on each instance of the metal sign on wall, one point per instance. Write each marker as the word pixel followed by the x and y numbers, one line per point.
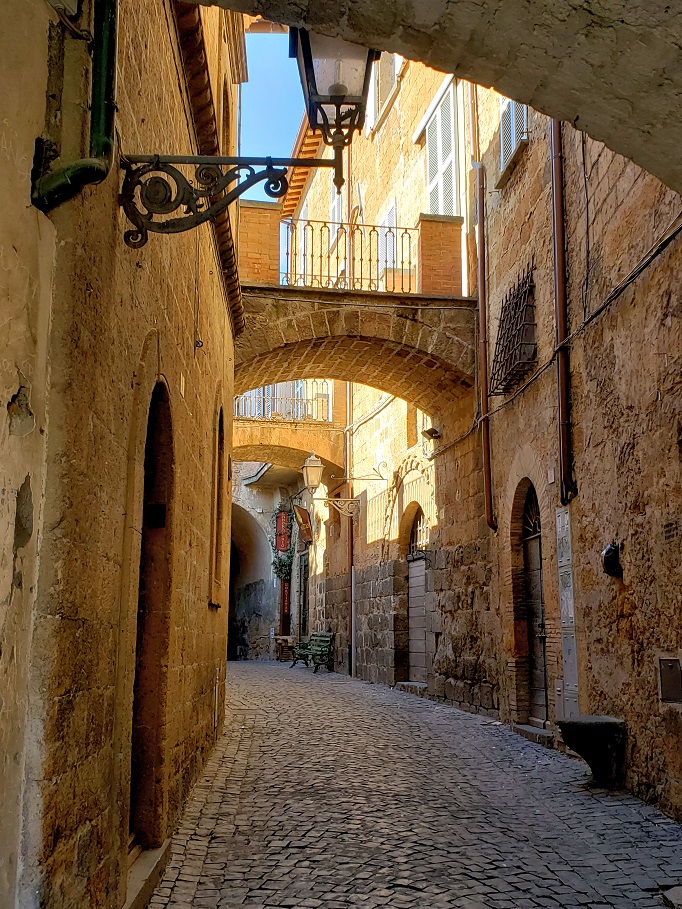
pixel 569 650
pixel 304 524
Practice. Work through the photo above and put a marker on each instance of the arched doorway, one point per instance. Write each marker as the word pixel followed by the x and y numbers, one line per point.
pixel 531 535
pixel 254 598
pixel 416 596
pixel 147 760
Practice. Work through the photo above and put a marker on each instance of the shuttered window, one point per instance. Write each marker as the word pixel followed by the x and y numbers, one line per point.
pixel 441 157
pixel 335 210
pixel 513 130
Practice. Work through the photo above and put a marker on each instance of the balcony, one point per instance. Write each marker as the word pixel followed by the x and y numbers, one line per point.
pixel 258 406
pixel 358 257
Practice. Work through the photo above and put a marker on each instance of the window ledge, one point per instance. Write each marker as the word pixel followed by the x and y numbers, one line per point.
pixel 510 166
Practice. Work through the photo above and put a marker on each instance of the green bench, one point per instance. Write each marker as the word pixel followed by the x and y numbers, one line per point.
pixel 318 649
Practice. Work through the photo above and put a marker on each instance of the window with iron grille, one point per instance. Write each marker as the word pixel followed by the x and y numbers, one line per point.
pixel 516 347
pixel 513 131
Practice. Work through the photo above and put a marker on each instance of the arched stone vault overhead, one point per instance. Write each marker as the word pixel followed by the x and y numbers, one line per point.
pixel 425 357
pixel 610 67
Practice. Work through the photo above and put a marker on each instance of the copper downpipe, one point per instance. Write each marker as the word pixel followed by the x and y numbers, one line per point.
pixel 569 488
pixel 483 349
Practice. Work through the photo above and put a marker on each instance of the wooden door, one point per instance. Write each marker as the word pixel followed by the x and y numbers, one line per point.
pixel 535 611
pixel 416 616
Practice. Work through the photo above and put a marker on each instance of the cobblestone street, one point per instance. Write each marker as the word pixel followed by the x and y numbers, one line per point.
pixel 329 792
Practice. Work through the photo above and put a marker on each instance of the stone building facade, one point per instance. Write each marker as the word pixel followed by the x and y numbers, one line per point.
pixel 115 442
pixel 522 621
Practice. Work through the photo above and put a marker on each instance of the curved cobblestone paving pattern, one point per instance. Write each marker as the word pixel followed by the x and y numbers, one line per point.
pixel 329 792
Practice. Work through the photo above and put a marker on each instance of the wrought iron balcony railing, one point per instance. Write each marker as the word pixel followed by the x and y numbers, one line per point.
pixel 367 257
pixel 252 406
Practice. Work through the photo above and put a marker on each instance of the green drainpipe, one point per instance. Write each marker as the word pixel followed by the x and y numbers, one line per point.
pixel 61 185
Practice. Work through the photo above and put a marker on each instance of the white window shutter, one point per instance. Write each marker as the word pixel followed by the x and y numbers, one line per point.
pixel 441 158
pixel 371 110
pixel 513 130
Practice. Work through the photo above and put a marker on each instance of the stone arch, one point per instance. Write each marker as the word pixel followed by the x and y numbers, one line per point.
pixel 427 360
pixel 419 378
pixel 145 377
pixel 526 471
pixel 611 70
pixel 253 608
pixel 410 464
pixel 407 520
pixel 148 749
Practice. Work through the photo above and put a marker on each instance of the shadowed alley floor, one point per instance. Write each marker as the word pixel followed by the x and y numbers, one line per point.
pixel 328 792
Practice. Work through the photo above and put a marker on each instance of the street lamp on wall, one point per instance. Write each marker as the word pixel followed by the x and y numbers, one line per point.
pixel 312 477
pixel 312 472
pixel 335 76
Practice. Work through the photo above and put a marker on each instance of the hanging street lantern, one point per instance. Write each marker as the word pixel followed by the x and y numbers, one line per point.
pixel 312 472
pixel 312 477
pixel 335 75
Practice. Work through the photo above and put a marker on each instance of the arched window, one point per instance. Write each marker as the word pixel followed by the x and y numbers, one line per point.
pixel 419 534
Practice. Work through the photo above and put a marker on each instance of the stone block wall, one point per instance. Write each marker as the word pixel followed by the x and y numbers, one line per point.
pixel 463 631
pixel 335 616
pixel 625 396
pixel 122 322
pixel 27 251
pixel 381 608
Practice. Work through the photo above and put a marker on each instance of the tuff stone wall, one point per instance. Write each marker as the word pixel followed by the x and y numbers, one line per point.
pixel 381 638
pixel 626 401
pixel 122 320
pixel 27 249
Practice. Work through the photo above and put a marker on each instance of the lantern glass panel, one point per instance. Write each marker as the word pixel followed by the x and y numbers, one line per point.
pixel 339 67
pixel 312 472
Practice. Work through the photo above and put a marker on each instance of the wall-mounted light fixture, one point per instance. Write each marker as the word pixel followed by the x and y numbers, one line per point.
pixel 312 477
pixel 610 558
pixel 335 76
pixel 430 432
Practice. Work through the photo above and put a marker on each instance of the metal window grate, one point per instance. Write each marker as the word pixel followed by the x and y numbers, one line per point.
pixel 516 347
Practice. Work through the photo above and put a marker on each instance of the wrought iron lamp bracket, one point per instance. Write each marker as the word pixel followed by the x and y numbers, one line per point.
pixel 154 187
pixel 376 476
pixel 348 507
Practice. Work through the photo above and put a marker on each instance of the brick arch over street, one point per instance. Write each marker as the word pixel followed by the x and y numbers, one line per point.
pixel 611 68
pixel 427 358
pixel 287 444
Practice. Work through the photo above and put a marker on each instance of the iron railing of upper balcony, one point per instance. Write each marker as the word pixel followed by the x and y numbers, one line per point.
pixel 369 257
pixel 252 406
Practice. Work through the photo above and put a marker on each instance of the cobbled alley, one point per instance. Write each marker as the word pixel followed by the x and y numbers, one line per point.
pixel 328 792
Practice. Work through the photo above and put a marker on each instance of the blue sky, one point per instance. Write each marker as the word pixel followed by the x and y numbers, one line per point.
pixel 272 101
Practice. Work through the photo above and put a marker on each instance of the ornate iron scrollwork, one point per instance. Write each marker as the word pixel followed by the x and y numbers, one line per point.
pixel 154 187
pixel 348 507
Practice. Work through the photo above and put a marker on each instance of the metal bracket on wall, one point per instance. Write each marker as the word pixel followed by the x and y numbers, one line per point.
pixel 376 475
pixel 349 507
pixel 154 187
